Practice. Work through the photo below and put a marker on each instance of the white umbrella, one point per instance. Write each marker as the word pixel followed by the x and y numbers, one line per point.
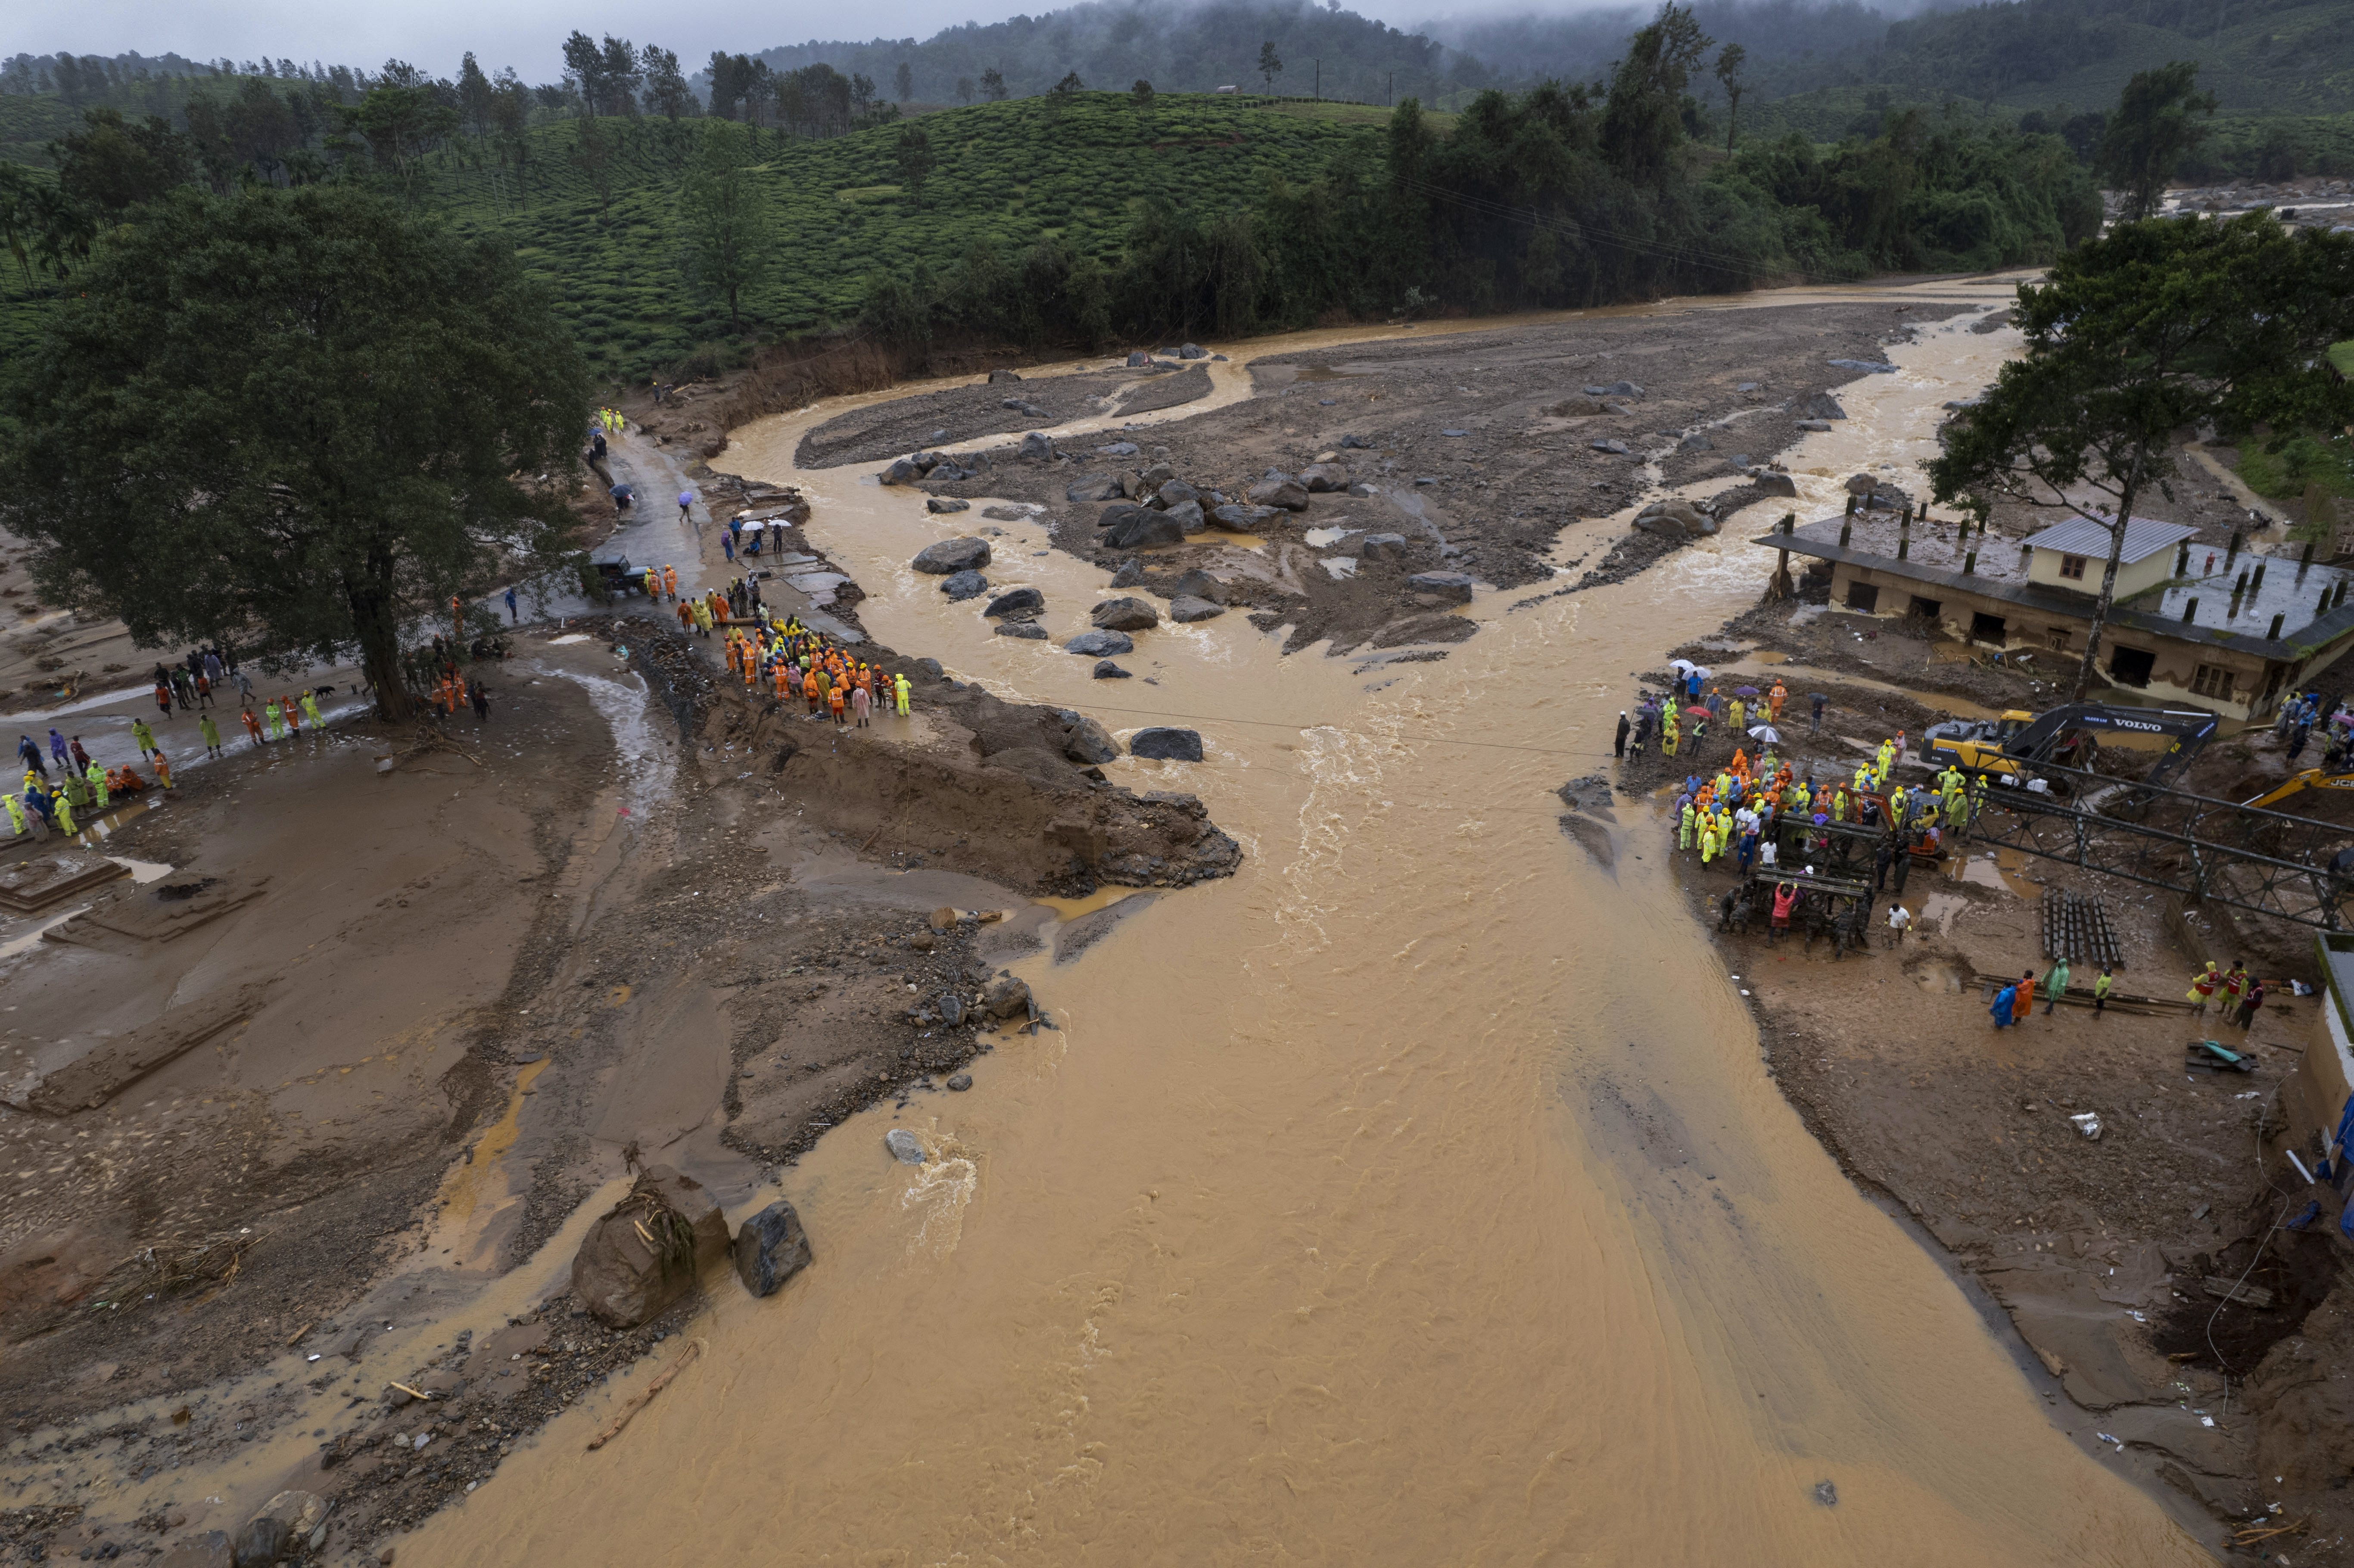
pixel 1765 732
pixel 1680 665
pixel 1703 671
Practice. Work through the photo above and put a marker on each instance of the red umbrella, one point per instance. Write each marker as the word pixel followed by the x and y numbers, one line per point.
pixel 1698 712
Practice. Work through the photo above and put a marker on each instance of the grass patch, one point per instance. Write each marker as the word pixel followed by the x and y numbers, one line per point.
pixel 2301 461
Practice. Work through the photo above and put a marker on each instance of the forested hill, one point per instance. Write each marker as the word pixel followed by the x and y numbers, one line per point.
pixel 2257 56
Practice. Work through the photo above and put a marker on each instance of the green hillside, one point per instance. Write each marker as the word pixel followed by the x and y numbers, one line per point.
pixel 1007 174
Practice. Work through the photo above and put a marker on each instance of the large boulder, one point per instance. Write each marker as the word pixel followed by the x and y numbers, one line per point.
pixel 904 1146
pixel 1003 996
pixel 1439 587
pixel 771 1248
pixel 961 585
pixel 1138 359
pixel 1356 443
pixel 1820 406
pixel 1100 644
pixel 1167 744
pixel 1124 615
pixel 1675 520
pixel 907 470
pixel 952 555
pixel 1028 630
pixel 1089 742
pixel 1037 447
pixel 1143 530
pixel 1130 573
pixel 1186 607
pixel 1176 493
pixel 1158 474
pixel 1187 516
pixel 1698 441
pixel 997 376
pixel 1192 351
pixel 946 504
pixel 1108 671
pixel 1614 446
pixel 1773 483
pixel 279 1530
pixel 1322 477
pixel 1201 585
pixel 646 1251
pixel 1280 491
pixel 1382 547
pixel 1092 487
pixel 1240 518
pixel 1017 601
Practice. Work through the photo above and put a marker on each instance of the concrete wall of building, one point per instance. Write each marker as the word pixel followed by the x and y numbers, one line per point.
pixel 2133 577
pixel 2313 1097
pixel 2176 663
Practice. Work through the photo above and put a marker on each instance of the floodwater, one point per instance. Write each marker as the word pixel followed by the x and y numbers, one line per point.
pixel 1416 1196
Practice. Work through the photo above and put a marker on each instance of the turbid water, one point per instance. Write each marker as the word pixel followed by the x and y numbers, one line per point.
pixel 1417 1196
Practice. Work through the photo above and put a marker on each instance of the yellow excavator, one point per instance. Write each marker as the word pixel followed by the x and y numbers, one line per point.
pixel 2001 746
pixel 2311 779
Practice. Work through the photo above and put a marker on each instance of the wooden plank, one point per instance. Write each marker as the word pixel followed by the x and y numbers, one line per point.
pixel 112 1065
pixel 2215 1284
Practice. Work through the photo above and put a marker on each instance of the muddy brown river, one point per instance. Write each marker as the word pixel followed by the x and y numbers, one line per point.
pixel 1417 1196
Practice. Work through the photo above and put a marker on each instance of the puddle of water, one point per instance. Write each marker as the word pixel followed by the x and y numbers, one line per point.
pixel 567 638
pixel 1320 537
pixel 27 941
pixel 1338 566
pixel 1072 908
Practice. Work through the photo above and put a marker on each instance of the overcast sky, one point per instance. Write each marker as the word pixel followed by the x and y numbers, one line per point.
pixel 526 34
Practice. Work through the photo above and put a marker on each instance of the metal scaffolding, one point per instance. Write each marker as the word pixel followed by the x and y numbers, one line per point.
pixel 2217 852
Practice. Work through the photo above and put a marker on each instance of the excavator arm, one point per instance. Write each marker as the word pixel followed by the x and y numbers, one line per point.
pixel 2311 779
pixel 2191 728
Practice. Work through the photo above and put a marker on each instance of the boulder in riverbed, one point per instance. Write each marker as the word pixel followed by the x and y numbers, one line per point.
pixel 1108 671
pixel 1187 515
pixel 945 504
pixel 1167 744
pixel 1439 587
pixel 1143 530
pixel 1089 742
pixel 1192 351
pixel 952 555
pixel 1773 483
pixel 904 471
pixel 1092 487
pixel 1028 630
pixel 1240 518
pixel 1138 359
pixel 1201 585
pixel 1125 615
pixel 1322 477
pixel 1100 644
pixel 1130 573
pixel 961 585
pixel 1017 601
pixel 1281 491
pixel 1186 607
pixel 1003 996
pixel 1615 447
pixel 645 1252
pixel 997 376
pixel 1037 447
pixel 1382 547
pixel 904 1146
pixel 770 1248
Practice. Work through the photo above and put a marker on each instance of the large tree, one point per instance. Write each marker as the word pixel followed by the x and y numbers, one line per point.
pixel 295 422
pixel 2160 120
pixel 723 208
pixel 2155 328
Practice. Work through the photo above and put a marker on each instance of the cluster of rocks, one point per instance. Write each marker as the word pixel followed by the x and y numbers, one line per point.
pixel 1142 359
pixel 946 466
pixel 958 563
pixel 1678 519
pixel 1876 494
pixel 648 1250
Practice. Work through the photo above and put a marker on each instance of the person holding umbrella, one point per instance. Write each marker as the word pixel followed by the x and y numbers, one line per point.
pixel 1818 700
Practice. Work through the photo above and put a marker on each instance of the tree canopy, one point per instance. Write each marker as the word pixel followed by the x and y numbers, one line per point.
pixel 2159 120
pixel 293 422
pixel 2154 328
